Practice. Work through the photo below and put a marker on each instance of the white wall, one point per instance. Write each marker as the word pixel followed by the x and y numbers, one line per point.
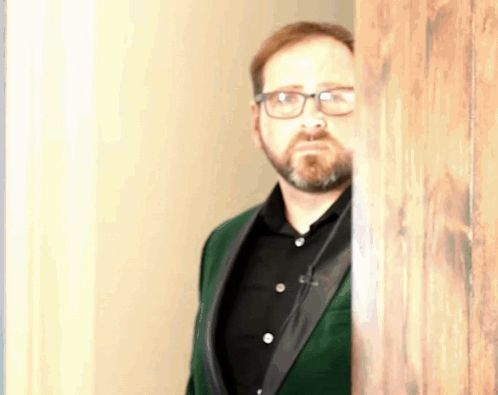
pixel 137 124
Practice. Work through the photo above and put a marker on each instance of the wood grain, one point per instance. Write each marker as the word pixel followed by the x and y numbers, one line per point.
pixel 484 297
pixel 425 221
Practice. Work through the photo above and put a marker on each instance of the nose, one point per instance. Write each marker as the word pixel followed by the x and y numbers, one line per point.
pixel 312 120
pixel 314 124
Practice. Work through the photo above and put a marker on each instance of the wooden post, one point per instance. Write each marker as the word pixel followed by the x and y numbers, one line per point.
pixel 425 245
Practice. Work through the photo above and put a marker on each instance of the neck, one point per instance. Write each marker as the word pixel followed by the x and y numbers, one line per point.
pixel 303 208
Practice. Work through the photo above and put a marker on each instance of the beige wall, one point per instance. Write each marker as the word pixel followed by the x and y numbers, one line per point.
pixel 128 141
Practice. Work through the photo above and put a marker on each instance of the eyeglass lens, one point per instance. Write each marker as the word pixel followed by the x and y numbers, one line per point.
pixel 281 104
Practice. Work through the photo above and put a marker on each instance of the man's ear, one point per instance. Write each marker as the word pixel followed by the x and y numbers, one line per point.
pixel 256 131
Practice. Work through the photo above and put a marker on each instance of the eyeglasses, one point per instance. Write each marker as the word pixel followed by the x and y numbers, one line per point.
pixel 288 104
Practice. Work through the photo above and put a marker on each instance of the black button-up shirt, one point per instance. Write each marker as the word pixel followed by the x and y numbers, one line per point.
pixel 262 289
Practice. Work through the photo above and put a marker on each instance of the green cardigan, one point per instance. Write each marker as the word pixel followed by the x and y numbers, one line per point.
pixel 313 353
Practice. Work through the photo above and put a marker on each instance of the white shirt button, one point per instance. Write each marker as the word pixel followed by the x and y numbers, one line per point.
pixel 268 338
pixel 299 242
pixel 259 391
pixel 280 287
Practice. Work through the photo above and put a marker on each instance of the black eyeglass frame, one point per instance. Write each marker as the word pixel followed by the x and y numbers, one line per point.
pixel 261 98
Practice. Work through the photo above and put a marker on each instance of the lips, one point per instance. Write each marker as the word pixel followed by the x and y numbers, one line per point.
pixel 310 146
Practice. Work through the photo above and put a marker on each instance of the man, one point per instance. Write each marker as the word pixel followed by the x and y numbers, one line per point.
pixel 275 290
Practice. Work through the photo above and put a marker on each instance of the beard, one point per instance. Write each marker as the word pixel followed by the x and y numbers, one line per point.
pixel 317 172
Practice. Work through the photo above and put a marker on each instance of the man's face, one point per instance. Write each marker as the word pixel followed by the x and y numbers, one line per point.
pixel 313 150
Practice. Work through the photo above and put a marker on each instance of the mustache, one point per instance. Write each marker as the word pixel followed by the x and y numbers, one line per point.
pixel 321 135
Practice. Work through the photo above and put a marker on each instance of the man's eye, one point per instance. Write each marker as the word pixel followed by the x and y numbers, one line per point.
pixel 330 96
pixel 284 97
pixel 338 96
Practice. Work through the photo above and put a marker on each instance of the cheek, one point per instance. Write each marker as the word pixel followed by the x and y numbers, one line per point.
pixel 277 134
pixel 343 130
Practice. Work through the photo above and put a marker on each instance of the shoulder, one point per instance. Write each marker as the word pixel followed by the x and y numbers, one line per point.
pixel 235 223
pixel 219 243
pixel 224 233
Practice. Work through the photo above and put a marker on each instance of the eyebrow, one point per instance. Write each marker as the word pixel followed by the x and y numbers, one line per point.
pixel 320 86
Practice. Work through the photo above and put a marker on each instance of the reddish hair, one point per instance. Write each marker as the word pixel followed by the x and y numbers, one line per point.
pixel 292 34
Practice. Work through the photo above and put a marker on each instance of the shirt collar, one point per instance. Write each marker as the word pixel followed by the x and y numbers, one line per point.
pixel 273 211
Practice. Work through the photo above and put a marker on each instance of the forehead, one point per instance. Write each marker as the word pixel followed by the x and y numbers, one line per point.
pixel 310 64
